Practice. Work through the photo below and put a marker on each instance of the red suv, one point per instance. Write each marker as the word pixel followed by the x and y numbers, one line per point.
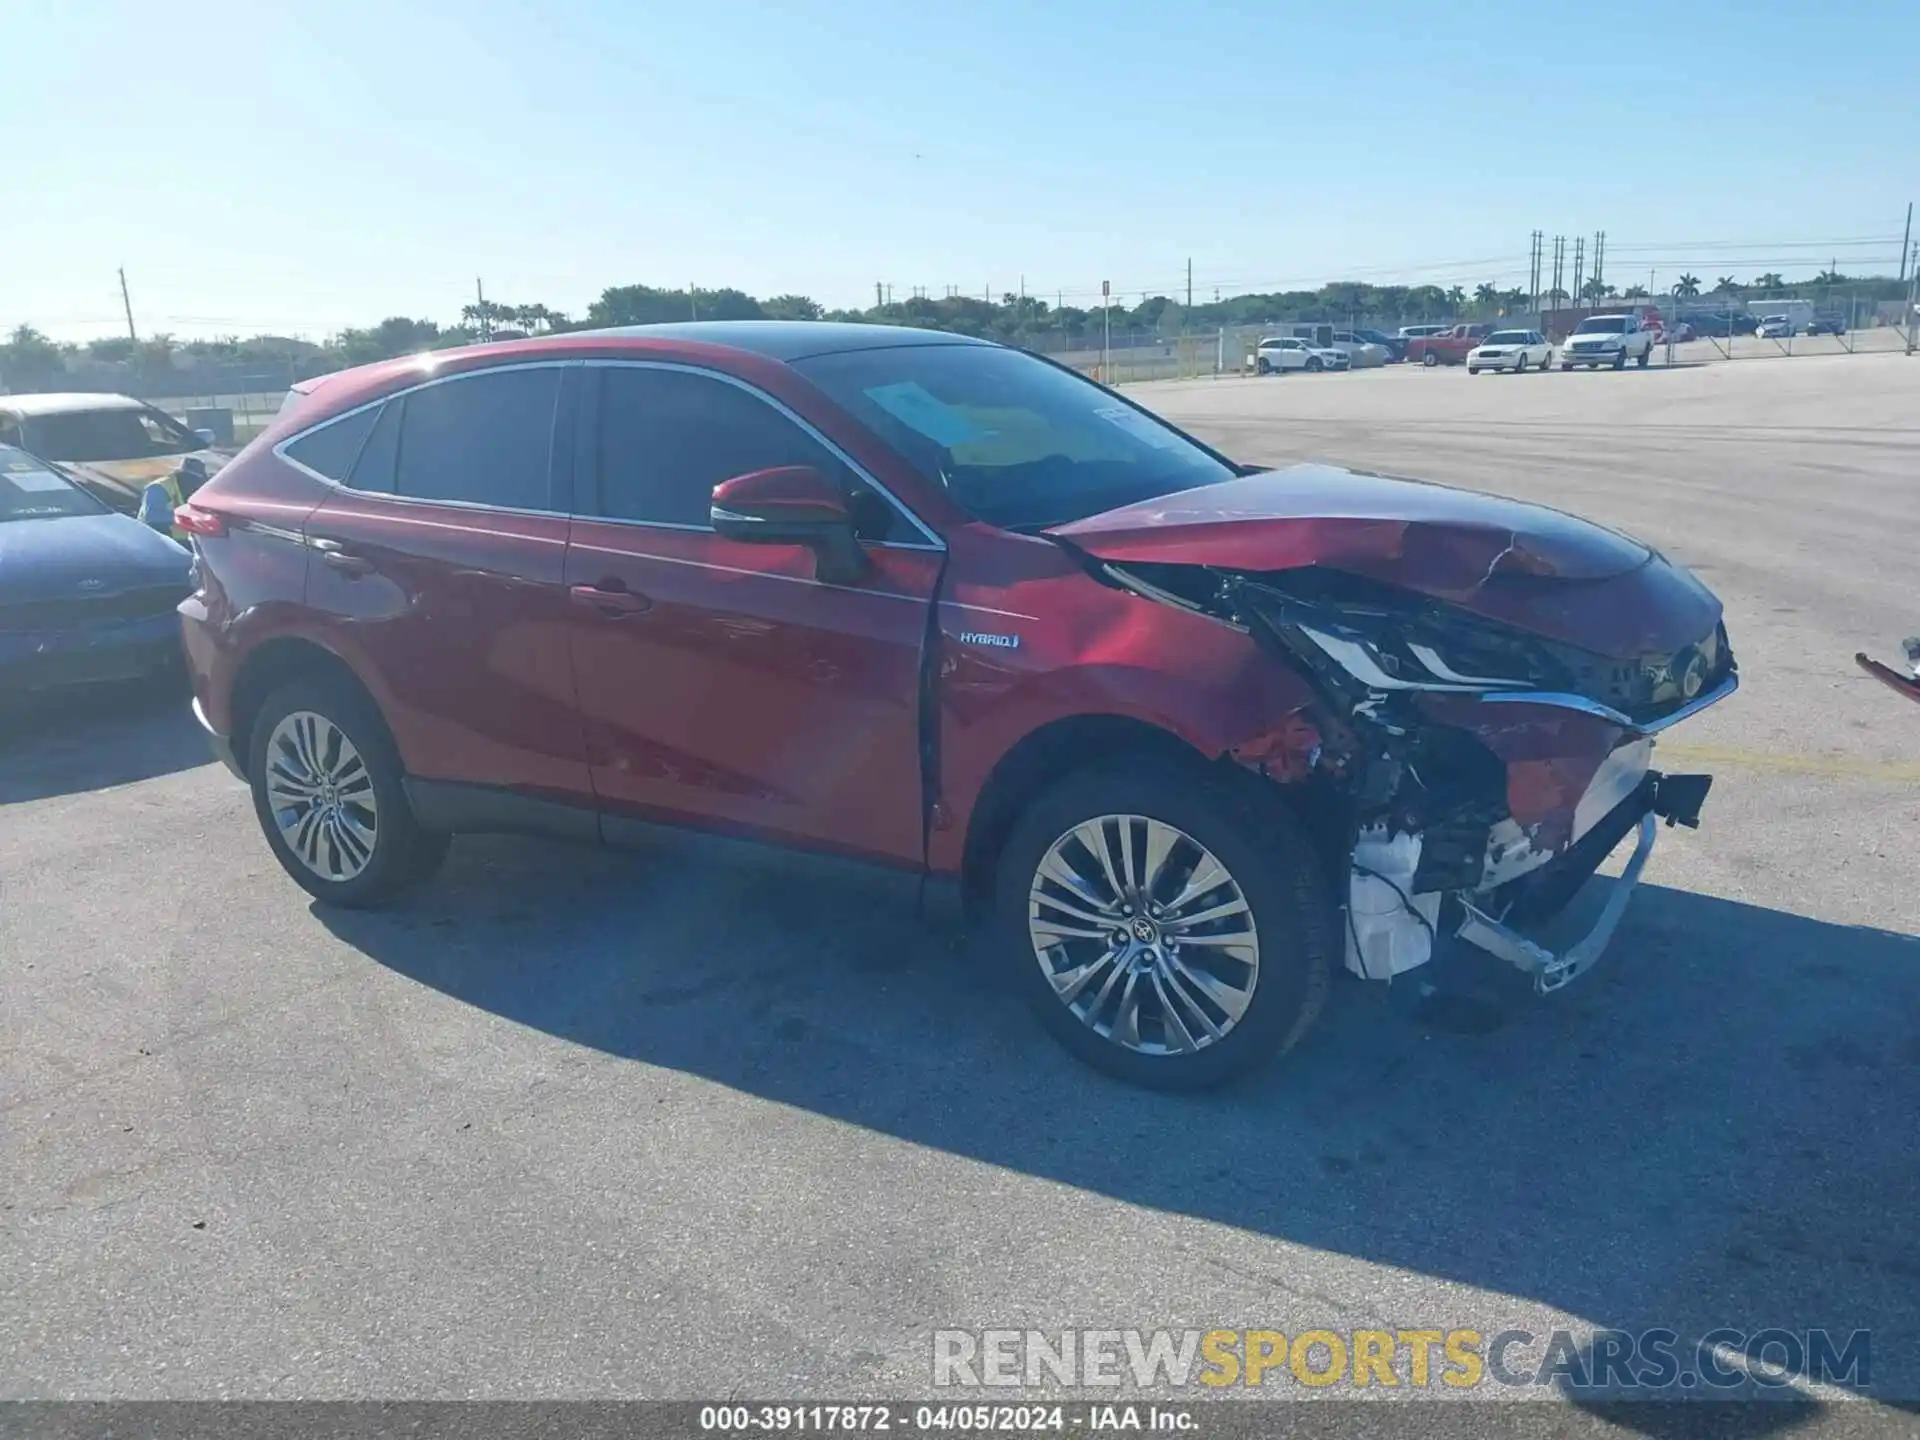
pixel 1187 733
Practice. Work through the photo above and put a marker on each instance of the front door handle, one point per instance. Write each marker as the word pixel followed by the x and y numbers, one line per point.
pixel 609 601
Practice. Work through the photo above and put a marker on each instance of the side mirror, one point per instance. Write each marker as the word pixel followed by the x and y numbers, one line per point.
pixel 792 505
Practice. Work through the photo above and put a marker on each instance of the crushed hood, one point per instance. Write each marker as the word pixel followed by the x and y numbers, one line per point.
pixel 1431 538
pixel 1526 565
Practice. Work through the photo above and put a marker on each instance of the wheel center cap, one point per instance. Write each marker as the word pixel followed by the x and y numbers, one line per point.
pixel 1145 931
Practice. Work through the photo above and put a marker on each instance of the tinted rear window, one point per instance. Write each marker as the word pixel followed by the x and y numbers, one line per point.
pixel 331 449
pixel 483 439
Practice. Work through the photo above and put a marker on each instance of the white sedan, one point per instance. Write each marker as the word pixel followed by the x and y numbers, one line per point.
pixel 1515 350
pixel 1289 352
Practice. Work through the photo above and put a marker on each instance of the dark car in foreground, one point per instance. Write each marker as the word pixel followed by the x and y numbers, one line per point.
pixel 85 594
pixel 1185 734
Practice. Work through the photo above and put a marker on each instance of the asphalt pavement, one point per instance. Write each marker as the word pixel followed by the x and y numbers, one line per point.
pixel 579 1124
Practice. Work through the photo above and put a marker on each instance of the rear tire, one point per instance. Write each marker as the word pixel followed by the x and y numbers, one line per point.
pixel 329 794
pixel 1429 359
pixel 1260 851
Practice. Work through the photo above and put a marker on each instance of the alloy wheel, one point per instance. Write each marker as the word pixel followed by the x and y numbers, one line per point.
pixel 1143 934
pixel 321 796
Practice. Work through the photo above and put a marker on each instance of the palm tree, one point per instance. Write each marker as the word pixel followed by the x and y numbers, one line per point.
pixel 1768 281
pixel 1456 297
pixel 1595 290
pixel 1487 296
pixel 1726 285
pixel 1688 288
pixel 1634 292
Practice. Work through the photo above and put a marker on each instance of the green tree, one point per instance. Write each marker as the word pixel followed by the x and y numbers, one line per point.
pixel 1769 281
pixel 792 307
pixel 1687 287
pixel 1456 297
pixel 1726 285
pixel 30 361
pixel 1634 292
pixel 1486 296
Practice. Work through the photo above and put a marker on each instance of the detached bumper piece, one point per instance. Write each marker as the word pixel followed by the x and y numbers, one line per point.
pixel 1551 972
pixel 1674 798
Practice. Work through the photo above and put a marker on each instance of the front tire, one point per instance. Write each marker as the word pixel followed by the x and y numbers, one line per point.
pixel 1167 928
pixel 1314 366
pixel 1520 366
pixel 1261 367
pixel 1430 359
pixel 1620 360
pixel 1566 365
pixel 1645 356
pixel 328 792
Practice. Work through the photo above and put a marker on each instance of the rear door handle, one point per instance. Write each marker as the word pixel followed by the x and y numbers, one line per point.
pixel 347 563
pixel 607 601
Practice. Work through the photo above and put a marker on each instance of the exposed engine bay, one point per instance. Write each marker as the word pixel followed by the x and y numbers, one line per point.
pixel 1484 771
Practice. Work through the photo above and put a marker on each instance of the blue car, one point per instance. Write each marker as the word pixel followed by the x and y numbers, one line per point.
pixel 85 594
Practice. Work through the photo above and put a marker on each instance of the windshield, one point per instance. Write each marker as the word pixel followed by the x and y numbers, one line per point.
pixel 30 491
pixel 1603 325
pixel 1507 337
pixel 1017 442
pixel 107 434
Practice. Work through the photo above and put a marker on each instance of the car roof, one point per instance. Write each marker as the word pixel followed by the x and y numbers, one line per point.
pixel 782 339
pixel 66 403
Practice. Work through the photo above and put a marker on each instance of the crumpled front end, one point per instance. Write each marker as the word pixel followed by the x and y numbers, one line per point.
pixel 1486 770
pixel 1494 770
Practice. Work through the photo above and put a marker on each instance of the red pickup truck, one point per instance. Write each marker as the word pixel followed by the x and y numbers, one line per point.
pixel 1449 347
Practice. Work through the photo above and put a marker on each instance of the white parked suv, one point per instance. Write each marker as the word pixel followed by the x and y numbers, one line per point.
pixel 1289 352
pixel 1607 340
pixel 1515 350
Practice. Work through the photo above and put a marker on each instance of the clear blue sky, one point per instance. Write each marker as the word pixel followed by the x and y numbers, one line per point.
pixel 299 165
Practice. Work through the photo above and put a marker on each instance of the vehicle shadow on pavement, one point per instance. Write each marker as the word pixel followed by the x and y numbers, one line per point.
pixel 1715 1128
pixel 92 738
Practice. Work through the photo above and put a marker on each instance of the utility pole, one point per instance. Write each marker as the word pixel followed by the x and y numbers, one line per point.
pixel 1910 263
pixel 480 316
pixel 693 299
pixel 1559 268
pixel 1906 240
pixel 127 303
pixel 1599 260
pixel 1189 288
pixel 1579 265
pixel 1106 332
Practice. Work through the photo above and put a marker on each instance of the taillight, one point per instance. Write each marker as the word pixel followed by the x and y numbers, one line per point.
pixel 195 521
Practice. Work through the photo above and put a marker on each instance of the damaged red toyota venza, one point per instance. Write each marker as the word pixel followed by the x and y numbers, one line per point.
pixel 1187 733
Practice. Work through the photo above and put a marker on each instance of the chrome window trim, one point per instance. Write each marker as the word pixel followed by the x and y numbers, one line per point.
pixel 934 542
pixel 280 448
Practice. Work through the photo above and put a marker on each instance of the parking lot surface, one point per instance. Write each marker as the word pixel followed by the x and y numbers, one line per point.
pixel 582 1124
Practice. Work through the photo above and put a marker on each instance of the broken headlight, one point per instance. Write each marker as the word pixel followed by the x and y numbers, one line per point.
pixel 1370 649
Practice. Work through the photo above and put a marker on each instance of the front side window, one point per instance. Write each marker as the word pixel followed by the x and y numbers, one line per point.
pixel 118 433
pixel 482 439
pixel 667 437
pixel 1017 442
